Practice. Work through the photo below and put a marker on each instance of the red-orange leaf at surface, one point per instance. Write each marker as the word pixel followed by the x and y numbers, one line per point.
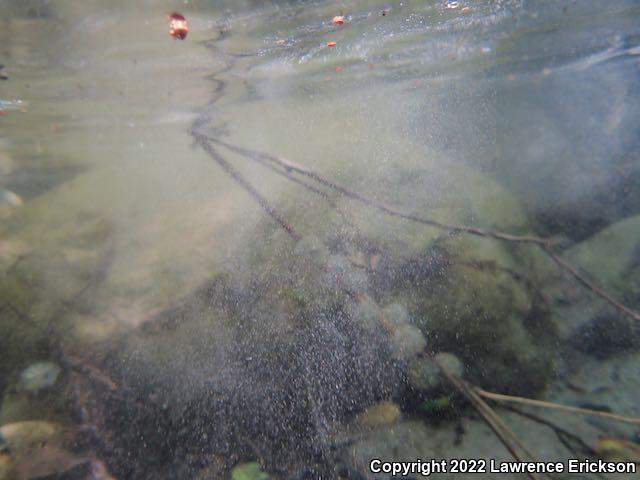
pixel 178 27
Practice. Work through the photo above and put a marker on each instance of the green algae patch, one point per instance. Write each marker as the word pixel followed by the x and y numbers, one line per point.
pixel 488 315
pixel 248 471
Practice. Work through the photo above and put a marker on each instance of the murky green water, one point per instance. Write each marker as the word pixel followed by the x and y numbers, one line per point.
pixel 247 246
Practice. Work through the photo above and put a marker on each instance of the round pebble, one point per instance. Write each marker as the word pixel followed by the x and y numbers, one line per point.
pixel 396 314
pixel 407 341
pixel 9 199
pixel 39 376
pixel 424 374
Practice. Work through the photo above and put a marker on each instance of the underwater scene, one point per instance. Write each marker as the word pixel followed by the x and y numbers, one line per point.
pixel 269 239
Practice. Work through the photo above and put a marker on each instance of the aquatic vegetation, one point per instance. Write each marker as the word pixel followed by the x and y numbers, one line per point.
pixel 618 450
pixel 178 27
pixel 248 471
pixel 435 404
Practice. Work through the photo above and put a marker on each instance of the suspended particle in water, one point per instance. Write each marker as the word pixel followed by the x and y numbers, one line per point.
pixel 452 4
pixel 331 44
pixel 338 20
pixel 178 27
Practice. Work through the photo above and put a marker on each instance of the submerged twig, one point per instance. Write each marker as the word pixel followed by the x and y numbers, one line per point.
pixel 562 263
pixel 545 244
pixel 556 406
pixel 564 436
pixel 244 183
pixel 287 174
pixel 302 170
pixel 92 371
pixel 491 418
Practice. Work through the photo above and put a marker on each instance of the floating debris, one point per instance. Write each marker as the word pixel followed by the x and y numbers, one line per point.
pixel 39 376
pixel 338 20
pixel 331 44
pixel 452 4
pixel 178 27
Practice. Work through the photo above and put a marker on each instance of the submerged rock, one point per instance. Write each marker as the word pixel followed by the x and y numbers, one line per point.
pixel 487 315
pixel 407 441
pixel 9 199
pixel 36 449
pixel 424 374
pixel 456 195
pixel 39 376
pixel 342 274
pixel 380 414
pixel 366 313
pixel 227 368
pixel 30 435
pixel 612 259
pixel 396 314
pixel 605 334
pixel 36 395
pixel 451 363
pixel 407 341
pixel 20 405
